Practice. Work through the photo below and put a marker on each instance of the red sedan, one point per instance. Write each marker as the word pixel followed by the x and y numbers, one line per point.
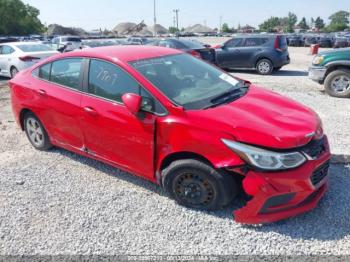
pixel 180 122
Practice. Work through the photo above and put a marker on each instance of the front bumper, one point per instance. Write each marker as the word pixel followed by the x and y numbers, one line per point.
pixel 317 73
pixel 286 194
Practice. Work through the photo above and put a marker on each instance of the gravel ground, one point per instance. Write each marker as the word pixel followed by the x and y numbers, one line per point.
pixel 60 203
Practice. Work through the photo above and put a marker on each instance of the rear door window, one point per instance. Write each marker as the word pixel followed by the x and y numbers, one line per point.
pixel 250 42
pixel 236 42
pixel 7 50
pixel 67 72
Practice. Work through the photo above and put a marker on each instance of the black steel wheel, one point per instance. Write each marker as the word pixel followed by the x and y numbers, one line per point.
pixel 196 184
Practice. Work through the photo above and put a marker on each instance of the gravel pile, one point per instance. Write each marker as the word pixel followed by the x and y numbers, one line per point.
pixel 60 203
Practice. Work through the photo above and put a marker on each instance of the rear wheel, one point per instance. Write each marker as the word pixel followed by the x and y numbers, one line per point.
pixel 13 72
pixel 337 83
pixel 195 184
pixel 36 132
pixel 264 67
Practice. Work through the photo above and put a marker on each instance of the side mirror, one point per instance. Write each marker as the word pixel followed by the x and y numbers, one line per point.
pixel 132 102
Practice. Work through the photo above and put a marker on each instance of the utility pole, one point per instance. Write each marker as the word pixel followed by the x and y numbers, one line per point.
pixel 220 25
pixel 155 19
pixel 176 11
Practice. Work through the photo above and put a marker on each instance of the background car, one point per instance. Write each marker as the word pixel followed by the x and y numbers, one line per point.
pixel 295 40
pixel 310 40
pixel 263 53
pixel 325 41
pixel 17 56
pixel 341 42
pixel 66 43
pixel 194 48
pixel 138 40
pixel 99 43
pixel 332 68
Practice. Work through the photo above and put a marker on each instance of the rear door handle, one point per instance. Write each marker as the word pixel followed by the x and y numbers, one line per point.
pixel 42 92
pixel 90 111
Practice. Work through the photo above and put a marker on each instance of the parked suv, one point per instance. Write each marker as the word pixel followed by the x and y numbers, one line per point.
pixel 263 53
pixel 179 122
pixel 332 68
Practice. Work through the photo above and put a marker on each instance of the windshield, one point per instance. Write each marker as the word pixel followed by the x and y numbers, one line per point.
pixel 34 48
pixel 188 81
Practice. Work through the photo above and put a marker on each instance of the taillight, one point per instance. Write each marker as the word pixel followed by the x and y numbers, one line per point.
pixel 195 53
pixel 28 58
pixel 277 43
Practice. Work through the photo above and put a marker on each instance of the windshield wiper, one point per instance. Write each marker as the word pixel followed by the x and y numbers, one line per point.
pixel 228 96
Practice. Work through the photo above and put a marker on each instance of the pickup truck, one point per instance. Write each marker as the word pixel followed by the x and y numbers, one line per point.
pixel 332 68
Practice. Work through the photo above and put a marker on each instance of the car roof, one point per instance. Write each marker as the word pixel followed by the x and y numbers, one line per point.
pixel 123 53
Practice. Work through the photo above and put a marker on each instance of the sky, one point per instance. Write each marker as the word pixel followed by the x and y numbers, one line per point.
pixel 95 14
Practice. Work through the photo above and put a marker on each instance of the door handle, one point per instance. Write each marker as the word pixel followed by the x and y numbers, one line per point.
pixel 90 111
pixel 42 92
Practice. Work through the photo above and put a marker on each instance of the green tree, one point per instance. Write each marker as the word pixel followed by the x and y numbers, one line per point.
pixel 319 23
pixel 292 19
pixel 339 21
pixel 17 18
pixel 302 24
pixel 173 30
pixel 225 28
pixel 270 24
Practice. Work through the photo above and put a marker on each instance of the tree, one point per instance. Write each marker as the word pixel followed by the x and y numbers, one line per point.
pixel 339 21
pixel 319 23
pixel 173 30
pixel 225 28
pixel 292 19
pixel 302 24
pixel 270 24
pixel 16 18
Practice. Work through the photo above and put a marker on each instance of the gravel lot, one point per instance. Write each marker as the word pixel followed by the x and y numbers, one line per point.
pixel 60 203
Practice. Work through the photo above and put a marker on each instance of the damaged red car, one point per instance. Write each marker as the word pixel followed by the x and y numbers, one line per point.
pixel 180 122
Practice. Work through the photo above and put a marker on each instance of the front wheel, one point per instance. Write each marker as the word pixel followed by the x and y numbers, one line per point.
pixel 264 67
pixel 195 184
pixel 337 83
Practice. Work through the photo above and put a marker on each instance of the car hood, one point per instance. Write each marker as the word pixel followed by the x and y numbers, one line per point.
pixel 339 51
pixel 264 118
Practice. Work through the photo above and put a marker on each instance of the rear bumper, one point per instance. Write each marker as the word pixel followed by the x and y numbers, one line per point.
pixel 317 73
pixel 281 61
pixel 286 194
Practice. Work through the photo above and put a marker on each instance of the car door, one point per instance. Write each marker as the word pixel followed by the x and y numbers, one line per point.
pixel 229 55
pixel 111 131
pixel 59 87
pixel 6 56
pixel 249 51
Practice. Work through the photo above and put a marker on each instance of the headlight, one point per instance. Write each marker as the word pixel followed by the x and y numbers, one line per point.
pixel 265 159
pixel 318 60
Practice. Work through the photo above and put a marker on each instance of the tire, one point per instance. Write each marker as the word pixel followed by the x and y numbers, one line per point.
pixel 197 185
pixel 13 72
pixel 264 67
pixel 337 83
pixel 36 132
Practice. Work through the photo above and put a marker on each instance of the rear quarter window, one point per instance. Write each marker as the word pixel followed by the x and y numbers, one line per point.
pixel 44 72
